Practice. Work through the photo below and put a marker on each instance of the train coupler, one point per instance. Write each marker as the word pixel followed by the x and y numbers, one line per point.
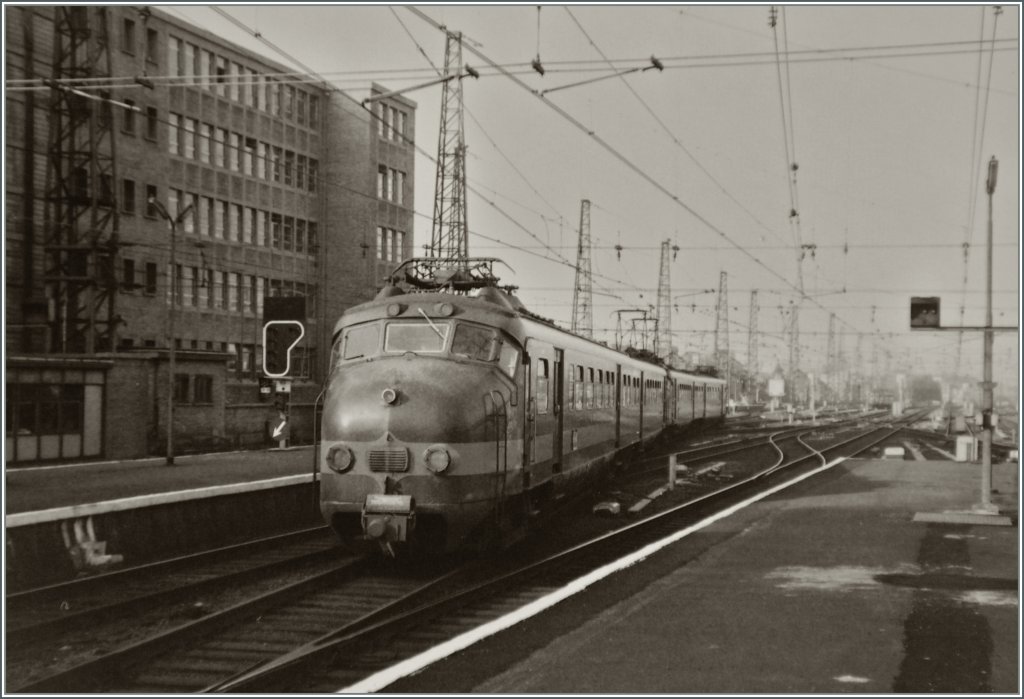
pixel 389 519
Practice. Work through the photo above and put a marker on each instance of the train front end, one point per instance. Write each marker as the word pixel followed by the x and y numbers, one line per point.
pixel 418 425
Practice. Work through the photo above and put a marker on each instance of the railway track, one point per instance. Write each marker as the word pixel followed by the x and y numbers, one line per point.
pixel 356 659
pixel 332 627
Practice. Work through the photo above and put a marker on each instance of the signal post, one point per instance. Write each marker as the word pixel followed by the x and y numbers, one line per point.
pixel 925 315
pixel 283 330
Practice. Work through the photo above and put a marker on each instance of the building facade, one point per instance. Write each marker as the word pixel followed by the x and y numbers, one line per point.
pixel 278 185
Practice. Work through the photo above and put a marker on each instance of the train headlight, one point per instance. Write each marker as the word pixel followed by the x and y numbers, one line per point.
pixel 437 459
pixel 340 458
pixel 389 396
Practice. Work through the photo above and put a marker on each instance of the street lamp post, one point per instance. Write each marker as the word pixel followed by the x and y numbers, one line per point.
pixel 173 221
pixel 986 506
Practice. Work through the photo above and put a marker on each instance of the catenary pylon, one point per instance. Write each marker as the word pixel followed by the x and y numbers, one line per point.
pixel 583 293
pixel 752 343
pixel 450 235
pixel 663 346
pixel 81 218
pixel 722 358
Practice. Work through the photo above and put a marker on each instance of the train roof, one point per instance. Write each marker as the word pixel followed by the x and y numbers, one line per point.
pixel 497 308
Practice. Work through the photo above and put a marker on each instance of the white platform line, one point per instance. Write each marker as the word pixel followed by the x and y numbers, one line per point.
pixel 57 514
pixel 382 679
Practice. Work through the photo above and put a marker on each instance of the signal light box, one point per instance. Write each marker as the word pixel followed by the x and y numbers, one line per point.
pixel 924 312
pixel 283 328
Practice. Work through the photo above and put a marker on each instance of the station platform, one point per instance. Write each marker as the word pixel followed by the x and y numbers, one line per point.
pixel 43 488
pixel 829 586
pixel 66 520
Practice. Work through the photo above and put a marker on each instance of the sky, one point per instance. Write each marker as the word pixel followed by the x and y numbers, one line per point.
pixel 890 114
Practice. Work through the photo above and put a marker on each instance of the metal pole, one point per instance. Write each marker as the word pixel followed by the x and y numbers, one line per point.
pixel 986 505
pixel 170 343
pixel 173 221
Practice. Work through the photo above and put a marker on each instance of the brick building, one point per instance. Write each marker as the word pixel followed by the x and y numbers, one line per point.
pixel 295 190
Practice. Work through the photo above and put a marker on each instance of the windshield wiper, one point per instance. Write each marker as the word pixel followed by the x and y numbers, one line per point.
pixel 432 326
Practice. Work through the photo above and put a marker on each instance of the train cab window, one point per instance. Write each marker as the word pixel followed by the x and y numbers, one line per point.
pixel 541 390
pixel 416 337
pixel 508 358
pixel 475 342
pixel 360 341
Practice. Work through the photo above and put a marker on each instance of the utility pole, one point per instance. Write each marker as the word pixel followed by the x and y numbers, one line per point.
pixel 986 506
pixel 583 293
pixel 663 345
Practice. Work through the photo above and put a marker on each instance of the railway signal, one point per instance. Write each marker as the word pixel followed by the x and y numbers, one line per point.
pixel 279 339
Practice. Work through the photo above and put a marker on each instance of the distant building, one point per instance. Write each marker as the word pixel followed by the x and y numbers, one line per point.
pixel 295 189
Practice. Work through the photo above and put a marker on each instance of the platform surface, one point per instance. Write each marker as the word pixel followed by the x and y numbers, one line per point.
pixel 45 487
pixel 827 587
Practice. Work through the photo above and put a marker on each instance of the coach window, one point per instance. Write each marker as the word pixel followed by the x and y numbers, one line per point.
pixel 577 387
pixel 541 390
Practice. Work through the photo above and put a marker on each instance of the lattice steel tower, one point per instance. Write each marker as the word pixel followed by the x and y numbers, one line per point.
pixel 752 342
pixel 722 358
pixel 81 217
pixel 663 346
pixel 794 342
pixel 583 292
pixel 450 237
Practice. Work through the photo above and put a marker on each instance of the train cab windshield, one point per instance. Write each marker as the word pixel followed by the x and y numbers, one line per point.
pixel 472 342
pixel 426 338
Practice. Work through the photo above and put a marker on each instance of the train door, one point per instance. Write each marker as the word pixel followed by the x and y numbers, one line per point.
pixel 671 398
pixel 618 405
pixel 540 416
pixel 643 400
pixel 558 408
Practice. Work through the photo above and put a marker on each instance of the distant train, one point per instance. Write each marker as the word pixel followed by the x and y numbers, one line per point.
pixel 450 420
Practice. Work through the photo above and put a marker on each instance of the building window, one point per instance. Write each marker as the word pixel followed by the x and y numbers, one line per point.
pixel 128 196
pixel 275 230
pixel 190 138
pixel 314 110
pixel 152 45
pixel 202 387
pixel 399 186
pixel 175 49
pixel 128 274
pixel 128 36
pixel 225 291
pixel 381 232
pixel 314 173
pixel 129 117
pixel 181 388
pixel 311 240
pixel 151 210
pixel 382 178
pixel 205 134
pixel 172 134
pixel 151 123
pixel 300 172
pixel 289 167
pixel 300 235
pixel 220 148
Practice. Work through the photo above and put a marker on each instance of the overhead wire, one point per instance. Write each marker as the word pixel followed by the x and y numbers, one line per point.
pixel 664 127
